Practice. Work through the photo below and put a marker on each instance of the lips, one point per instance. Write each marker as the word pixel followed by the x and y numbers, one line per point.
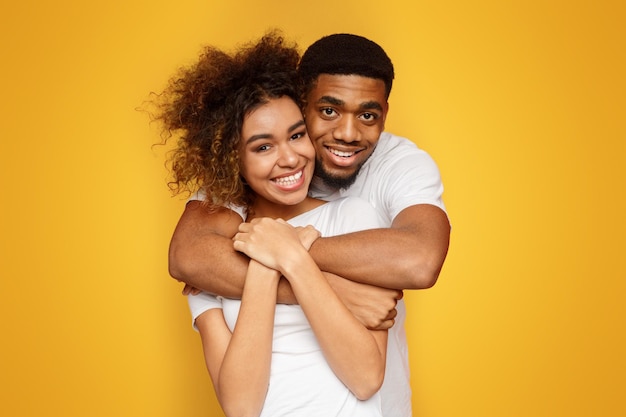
pixel 288 180
pixel 341 154
pixel 342 158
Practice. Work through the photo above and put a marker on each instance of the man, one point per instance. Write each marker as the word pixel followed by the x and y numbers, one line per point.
pixel 347 81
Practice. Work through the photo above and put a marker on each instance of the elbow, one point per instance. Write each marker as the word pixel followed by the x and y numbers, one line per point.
pixel 366 393
pixel 240 406
pixel 173 264
pixel 424 268
pixel 177 266
pixel 424 279
pixel 368 387
pixel 369 384
pixel 237 411
pixel 423 273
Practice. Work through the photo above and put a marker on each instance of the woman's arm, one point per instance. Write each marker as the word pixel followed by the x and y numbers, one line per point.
pixel 202 256
pixel 356 355
pixel 239 363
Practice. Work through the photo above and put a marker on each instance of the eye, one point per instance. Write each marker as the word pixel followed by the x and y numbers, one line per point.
pixel 369 117
pixel 263 148
pixel 297 135
pixel 328 112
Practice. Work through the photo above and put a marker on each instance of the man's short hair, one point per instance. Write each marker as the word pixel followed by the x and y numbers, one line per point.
pixel 345 54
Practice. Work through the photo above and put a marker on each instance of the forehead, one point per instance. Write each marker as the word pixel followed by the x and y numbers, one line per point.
pixel 349 89
pixel 277 113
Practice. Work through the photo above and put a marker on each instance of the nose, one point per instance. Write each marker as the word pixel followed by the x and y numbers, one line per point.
pixel 347 130
pixel 287 157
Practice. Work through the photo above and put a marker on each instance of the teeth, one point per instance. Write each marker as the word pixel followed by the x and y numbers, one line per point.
pixel 289 180
pixel 341 153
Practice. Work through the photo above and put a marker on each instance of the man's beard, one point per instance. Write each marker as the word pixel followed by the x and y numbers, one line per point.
pixel 334 181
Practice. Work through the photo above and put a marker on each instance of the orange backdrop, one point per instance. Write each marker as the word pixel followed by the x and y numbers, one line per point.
pixel 522 104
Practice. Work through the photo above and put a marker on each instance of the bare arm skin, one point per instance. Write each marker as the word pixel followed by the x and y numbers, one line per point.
pixel 201 253
pixel 356 355
pixel 409 255
pixel 239 362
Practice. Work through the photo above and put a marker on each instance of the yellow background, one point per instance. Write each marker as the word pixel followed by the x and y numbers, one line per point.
pixel 522 105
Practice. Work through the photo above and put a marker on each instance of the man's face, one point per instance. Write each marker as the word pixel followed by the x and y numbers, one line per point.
pixel 345 115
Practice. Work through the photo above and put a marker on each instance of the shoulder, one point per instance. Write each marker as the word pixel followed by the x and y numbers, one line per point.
pixel 392 150
pixel 389 142
pixel 396 155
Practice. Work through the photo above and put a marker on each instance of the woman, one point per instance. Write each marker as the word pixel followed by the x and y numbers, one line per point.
pixel 244 143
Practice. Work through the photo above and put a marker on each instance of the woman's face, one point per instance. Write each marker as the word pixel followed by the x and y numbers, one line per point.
pixel 277 157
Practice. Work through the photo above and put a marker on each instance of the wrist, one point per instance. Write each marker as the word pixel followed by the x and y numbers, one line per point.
pixel 293 266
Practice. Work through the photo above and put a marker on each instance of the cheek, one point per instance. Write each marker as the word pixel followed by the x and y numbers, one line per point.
pixel 316 127
pixel 249 168
pixel 306 149
pixel 374 132
pixel 316 147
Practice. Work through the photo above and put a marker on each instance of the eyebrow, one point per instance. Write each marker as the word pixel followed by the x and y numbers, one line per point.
pixel 330 100
pixel 261 136
pixel 368 105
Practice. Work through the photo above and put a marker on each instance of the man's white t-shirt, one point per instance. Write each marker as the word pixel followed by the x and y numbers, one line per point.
pixel 397 175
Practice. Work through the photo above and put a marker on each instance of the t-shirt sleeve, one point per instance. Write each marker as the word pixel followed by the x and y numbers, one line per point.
pixel 200 303
pixel 411 180
pixel 200 195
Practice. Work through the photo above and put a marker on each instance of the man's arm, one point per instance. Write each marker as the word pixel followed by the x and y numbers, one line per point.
pixel 201 253
pixel 409 255
pixel 202 256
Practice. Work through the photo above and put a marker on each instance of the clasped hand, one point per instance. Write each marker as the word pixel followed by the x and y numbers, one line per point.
pixel 273 242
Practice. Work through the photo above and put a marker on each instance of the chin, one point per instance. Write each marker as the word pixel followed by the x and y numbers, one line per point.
pixel 332 179
pixel 293 200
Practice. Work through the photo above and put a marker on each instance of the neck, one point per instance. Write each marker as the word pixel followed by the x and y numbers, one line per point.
pixel 264 208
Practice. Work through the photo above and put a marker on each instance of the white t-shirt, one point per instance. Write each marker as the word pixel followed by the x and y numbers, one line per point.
pixel 302 384
pixel 397 175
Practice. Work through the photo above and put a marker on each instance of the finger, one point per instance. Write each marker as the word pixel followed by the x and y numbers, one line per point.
pixel 386 325
pixel 240 236
pixel 186 289
pixel 244 227
pixel 238 245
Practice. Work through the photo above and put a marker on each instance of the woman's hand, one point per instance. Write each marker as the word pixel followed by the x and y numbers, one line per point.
pixel 308 235
pixel 273 242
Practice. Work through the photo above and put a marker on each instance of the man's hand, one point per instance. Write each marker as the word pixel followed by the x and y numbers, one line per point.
pixel 373 306
pixel 188 289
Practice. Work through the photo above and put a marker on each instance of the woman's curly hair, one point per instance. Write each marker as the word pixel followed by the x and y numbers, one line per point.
pixel 204 106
